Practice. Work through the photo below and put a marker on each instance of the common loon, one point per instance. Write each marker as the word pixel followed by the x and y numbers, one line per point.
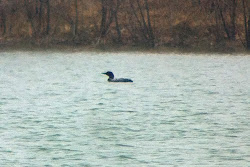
pixel 113 79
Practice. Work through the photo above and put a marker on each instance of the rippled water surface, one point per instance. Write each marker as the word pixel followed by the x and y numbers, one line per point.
pixel 57 109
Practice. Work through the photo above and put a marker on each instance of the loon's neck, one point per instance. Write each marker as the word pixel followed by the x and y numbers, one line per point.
pixel 110 79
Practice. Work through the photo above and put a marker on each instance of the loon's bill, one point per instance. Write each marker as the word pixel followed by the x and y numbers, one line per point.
pixel 113 79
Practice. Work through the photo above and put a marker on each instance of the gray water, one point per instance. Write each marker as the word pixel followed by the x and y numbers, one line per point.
pixel 57 109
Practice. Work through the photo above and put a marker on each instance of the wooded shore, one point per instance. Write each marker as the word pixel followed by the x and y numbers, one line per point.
pixel 72 47
pixel 183 25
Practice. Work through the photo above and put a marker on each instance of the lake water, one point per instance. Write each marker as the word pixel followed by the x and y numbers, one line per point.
pixel 57 109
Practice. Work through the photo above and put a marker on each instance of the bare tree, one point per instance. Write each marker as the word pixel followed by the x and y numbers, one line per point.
pixel 107 16
pixel 71 18
pixel 3 16
pixel 150 30
pixel 40 16
pixel 117 26
pixel 30 15
pixel 76 18
pixel 48 17
pixel 233 18
pixel 246 22
pixel 143 20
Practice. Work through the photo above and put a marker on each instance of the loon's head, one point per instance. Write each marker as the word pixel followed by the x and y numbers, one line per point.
pixel 110 74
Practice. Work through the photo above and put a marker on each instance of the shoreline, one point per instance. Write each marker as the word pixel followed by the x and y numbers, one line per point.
pixel 71 47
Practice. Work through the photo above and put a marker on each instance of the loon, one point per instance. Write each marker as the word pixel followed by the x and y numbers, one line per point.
pixel 113 79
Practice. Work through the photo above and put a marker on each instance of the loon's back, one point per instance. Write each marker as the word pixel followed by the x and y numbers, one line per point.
pixel 120 80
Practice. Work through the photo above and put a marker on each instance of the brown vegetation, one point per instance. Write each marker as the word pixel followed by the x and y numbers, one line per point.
pixel 211 25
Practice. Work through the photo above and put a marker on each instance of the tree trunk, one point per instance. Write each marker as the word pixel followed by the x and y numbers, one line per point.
pixel 138 20
pixel 107 17
pixel 217 32
pixel 40 16
pixel 37 11
pixel 48 17
pixel 82 13
pixel 76 19
pixel 233 20
pixel 142 16
pixel 4 23
pixel 104 17
pixel 30 18
pixel 119 36
pixel 151 34
pixel 224 23
pixel 73 28
pixel 246 23
pixel 248 33
pixel 144 21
